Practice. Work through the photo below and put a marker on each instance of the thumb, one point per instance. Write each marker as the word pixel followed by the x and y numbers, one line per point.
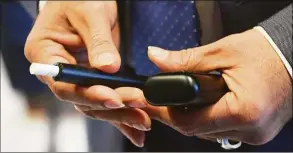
pixel 102 51
pixel 200 59
pixel 96 33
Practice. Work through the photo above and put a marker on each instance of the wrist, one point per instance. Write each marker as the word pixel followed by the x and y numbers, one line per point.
pixel 276 48
pixel 264 55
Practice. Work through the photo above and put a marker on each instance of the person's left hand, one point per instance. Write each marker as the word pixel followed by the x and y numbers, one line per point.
pixel 260 99
pixel 259 103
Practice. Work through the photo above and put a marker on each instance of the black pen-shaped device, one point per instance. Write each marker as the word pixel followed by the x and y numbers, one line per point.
pixel 84 76
pixel 165 89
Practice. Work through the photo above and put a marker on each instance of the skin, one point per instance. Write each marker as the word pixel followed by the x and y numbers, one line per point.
pixel 61 31
pixel 259 103
pixel 254 111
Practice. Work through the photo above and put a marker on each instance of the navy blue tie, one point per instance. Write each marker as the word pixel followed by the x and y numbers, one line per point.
pixel 172 25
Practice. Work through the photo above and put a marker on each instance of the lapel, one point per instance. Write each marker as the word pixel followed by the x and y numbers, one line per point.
pixel 210 20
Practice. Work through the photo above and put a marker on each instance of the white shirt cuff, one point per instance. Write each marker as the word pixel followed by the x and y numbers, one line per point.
pixel 281 55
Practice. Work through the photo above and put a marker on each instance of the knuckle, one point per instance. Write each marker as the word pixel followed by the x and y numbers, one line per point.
pixel 231 44
pixel 243 119
pixel 234 112
pixel 137 95
pixel 99 39
pixel 232 108
pixel 255 118
pixel 187 58
pixel 28 48
pixel 87 94
pixel 246 119
pixel 244 114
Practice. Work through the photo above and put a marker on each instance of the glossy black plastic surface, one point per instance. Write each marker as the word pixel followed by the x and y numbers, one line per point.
pixel 177 89
pixel 83 76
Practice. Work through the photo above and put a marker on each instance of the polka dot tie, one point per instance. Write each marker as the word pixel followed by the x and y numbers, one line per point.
pixel 172 25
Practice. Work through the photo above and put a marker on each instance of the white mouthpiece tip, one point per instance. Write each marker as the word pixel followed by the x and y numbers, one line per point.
pixel 44 69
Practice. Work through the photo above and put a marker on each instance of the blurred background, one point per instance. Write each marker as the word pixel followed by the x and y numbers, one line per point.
pixel 32 119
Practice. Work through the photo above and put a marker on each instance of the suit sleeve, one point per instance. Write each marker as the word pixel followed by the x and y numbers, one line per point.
pixel 279 29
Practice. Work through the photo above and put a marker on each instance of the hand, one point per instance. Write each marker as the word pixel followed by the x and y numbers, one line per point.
pixel 260 99
pixel 61 30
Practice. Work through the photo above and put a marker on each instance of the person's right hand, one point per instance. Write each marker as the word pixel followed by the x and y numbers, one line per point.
pixel 61 29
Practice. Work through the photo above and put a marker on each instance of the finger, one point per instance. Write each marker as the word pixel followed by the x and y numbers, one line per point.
pixel 81 58
pixel 116 35
pixel 222 116
pixel 96 33
pixel 200 59
pixel 46 41
pixel 134 118
pixel 132 97
pixel 137 137
pixel 53 24
pixel 47 52
pixel 86 108
pixel 97 96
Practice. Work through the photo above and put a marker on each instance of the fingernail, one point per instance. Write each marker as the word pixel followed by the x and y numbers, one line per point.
pixel 136 104
pixel 158 52
pixel 140 142
pixel 140 127
pixel 82 108
pixel 113 105
pixel 105 59
pixel 78 109
pixel 140 145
